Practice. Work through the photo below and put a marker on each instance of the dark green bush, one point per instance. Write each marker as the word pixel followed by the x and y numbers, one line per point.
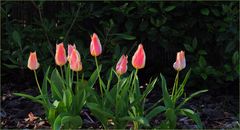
pixel 207 31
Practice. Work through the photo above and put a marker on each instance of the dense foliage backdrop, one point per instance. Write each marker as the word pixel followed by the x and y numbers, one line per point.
pixel 207 31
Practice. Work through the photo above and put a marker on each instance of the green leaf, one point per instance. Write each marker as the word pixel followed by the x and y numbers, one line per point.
pixel 11 66
pixel 190 97
pixel 191 114
pixel 188 47
pixel 155 111
pixel 73 122
pixel 194 43
pixel 124 36
pixel 170 8
pixel 51 115
pixel 45 84
pixel 235 58
pixel 202 62
pixel 67 98
pixel 57 123
pixel 202 52
pixel 204 76
pixel 94 77
pixel 141 120
pixel 166 97
pixel 152 10
pixel 34 99
pixel 171 116
pixel 16 37
pixel 205 11
pixel 57 85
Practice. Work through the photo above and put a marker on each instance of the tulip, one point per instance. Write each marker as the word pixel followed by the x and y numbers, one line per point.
pixel 70 49
pixel 180 61
pixel 32 61
pixel 95 47
pixel 121 66
pixel 139 58
pixel 75 61
pixel 60 57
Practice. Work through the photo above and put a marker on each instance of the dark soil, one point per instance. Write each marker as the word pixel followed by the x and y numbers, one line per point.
pixel 217 109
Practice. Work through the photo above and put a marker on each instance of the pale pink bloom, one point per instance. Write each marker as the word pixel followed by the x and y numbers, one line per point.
pixel 60 56
pixel 180 61
pixel 95 47
pixel 121 66
pixel 139 58
pixel 32 61
pixel 70 49
pixel 75 61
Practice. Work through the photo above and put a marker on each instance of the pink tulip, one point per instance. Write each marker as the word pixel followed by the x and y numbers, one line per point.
pixel 75 61
pixel 180 61
pixel 95 47
pixel 70 49
pixel 121 66
pixel 32 61
pixel 60 57
pixel 139 58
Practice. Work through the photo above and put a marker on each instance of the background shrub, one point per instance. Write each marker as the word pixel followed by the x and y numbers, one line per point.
pixel 207 31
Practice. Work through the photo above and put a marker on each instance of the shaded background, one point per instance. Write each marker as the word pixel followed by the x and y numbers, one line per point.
pixel 207 31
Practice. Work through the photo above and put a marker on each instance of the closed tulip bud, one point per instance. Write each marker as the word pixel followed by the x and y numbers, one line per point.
pixel 75 61
pixel 180 61
pixel 70 49
pixel 121 66
pixel 32 61
pixel 60 56
pixel 95 47
pixel 139 58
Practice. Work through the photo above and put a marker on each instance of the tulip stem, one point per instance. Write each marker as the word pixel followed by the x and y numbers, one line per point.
pixel 99 78
pixel 35 75
pixel 175 86
pixel 61 71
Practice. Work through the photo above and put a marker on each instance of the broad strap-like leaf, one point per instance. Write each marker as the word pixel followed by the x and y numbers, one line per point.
pixel 191 114
pixel 94 77
pixel 155 111
pixel 34 99
pixel 190 97
pixel 172 117
pixel 166 97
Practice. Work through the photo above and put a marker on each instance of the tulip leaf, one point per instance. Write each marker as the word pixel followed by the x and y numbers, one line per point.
pixel 191 114
pixel 57 85
pixel 73 122
pixel 94 77
pixel 172 117
pixel 166 97
pixel 155 111
pixel 34 99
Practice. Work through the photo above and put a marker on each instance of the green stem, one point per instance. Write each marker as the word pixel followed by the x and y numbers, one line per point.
pixel 175 87
pixel 61 71
pixel 134 78
pixel 35 75
pixel 99 78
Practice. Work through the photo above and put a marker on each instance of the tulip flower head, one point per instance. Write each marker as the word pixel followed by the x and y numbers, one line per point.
pixel 70 49
pixel 75 61
pixel 180 61
pixel 121 66
pixel 95 47
pixel 60 56
pixel 32 61
pixel 139 58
